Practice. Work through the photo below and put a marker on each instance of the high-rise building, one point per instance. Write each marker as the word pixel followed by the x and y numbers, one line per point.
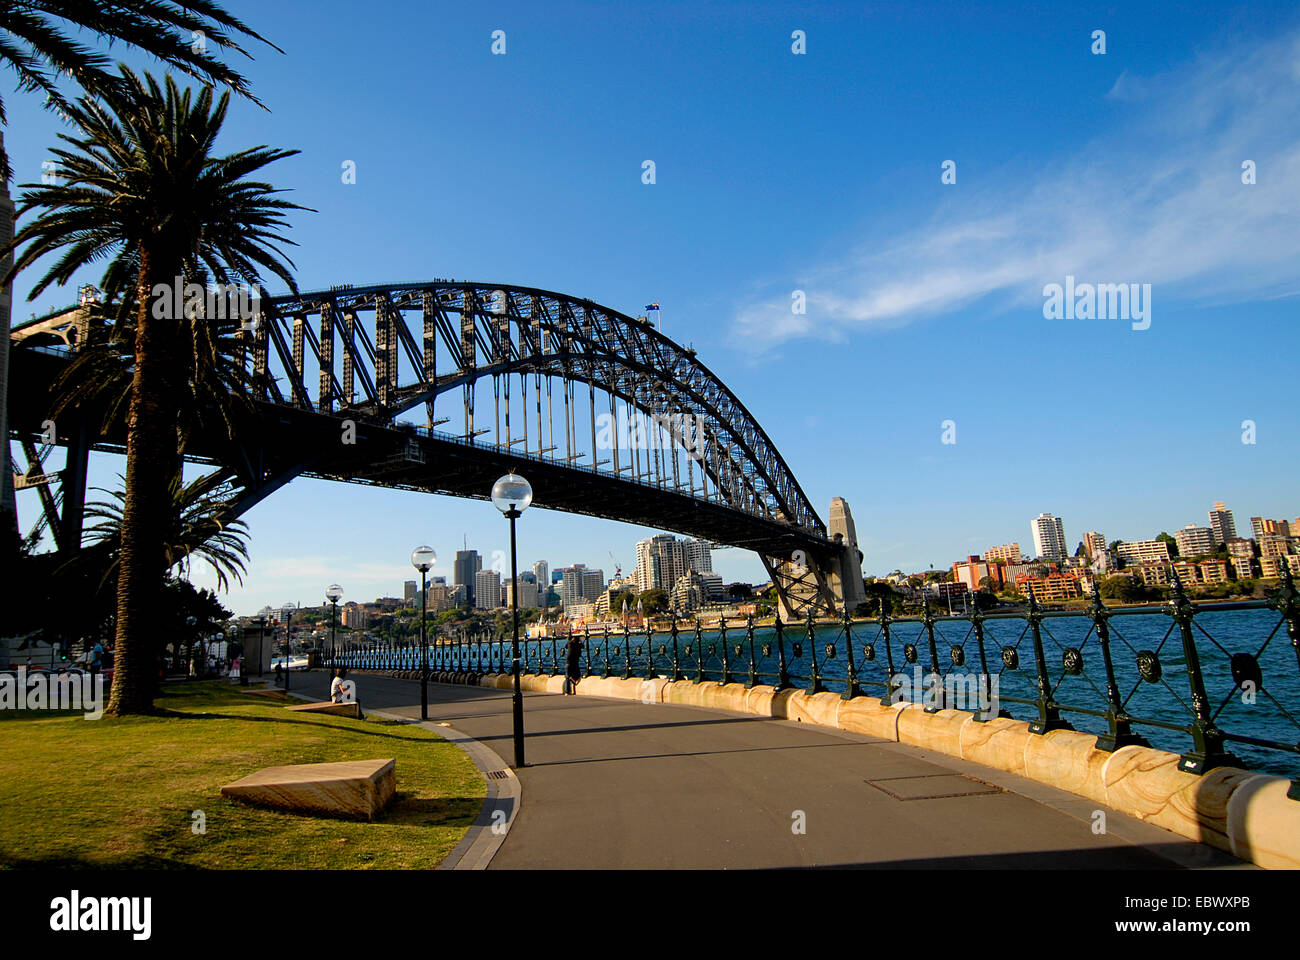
pixel 1222 525
pixel 571 585
pixel 411 592
pixel 593 584
pixel 1049 538
pixel 1264 528
pixel 699 555
pixel 465 569
pixel 661 561
pixel 1193 541
pixel 1094 543
pixel 487 590
pixel 1008 553
pixel 527 592
pixel 542 571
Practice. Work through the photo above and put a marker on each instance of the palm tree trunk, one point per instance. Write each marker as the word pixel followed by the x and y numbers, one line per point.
pixel 151 450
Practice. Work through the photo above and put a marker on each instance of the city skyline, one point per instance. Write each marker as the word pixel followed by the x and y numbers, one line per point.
pixel 529 568
pixel 899 332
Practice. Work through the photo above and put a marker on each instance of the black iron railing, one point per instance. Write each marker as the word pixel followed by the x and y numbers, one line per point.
pixel 1218 683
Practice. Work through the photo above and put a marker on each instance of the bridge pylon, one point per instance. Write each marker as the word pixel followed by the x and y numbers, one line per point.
pixel 825 583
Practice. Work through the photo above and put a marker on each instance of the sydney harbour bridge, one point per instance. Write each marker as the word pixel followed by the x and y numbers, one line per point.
pixel 442 386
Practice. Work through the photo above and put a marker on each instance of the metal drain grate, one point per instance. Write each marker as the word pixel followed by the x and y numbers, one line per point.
pixel 935 786
pixel 497 775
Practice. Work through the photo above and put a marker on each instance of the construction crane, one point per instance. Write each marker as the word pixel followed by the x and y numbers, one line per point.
pixel 618 568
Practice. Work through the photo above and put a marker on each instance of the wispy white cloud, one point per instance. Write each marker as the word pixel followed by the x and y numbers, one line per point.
pixel 1156 199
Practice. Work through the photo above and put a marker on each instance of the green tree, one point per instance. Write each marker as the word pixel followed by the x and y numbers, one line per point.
pixel 42 45
pixel 1171 541
pixel 144 192
pixel 653 601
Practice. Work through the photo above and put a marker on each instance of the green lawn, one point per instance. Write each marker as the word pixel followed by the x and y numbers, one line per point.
pixel 122 793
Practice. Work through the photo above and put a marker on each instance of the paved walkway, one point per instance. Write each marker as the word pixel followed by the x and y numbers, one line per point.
pixel 616 783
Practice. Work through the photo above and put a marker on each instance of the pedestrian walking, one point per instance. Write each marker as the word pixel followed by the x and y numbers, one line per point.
pixel 96 659
pixel 572 664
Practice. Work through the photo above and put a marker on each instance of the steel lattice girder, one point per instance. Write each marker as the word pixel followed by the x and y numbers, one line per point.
pixel 493 329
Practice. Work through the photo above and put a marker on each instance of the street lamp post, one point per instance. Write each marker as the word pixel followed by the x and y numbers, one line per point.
pixel 288 643
pixel 511 495
pixel 333 593
pixel 422 558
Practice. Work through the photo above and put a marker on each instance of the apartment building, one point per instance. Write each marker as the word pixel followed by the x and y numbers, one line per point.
pixel 1007 553
pixel 1222 525
pixel 1049 537
pixel 1194 541
pixel 1134 552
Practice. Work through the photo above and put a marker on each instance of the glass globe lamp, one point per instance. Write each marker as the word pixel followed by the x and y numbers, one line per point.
pixel 512 493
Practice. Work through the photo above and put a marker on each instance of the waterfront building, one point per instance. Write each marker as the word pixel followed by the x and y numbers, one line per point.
pixel 1270 568
pixel 1243 568
pixel 1194 541
pixel 1049 537
pixel 1143 551
pixel 972 570
pixel 1054 586
pixel 689 594
pixel 1007 553
pixel 1222 524
pixel 713 581
pixel 1154 574
pixel 1214 571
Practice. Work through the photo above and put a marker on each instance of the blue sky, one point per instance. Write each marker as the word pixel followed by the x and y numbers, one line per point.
pixel 819 172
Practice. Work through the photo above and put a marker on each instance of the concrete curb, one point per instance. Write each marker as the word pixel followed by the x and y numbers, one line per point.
pixel 500 807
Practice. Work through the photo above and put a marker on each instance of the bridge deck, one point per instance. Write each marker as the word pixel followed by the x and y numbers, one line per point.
pixel 618 784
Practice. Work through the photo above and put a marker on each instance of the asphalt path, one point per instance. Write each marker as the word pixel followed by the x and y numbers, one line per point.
pixel 624 784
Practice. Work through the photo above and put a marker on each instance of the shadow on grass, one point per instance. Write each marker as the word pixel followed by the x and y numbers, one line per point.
pixel 432 811
pixel 141 861
pixel 383 734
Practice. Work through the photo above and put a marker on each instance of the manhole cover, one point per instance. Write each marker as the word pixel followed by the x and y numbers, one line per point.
pixel 933 787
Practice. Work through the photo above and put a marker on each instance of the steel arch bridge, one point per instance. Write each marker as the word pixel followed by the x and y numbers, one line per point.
pixel 388 384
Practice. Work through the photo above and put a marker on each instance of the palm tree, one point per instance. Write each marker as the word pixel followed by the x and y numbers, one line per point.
pixel 37 43
pixel 96 385
pixel 196 528
pixel 39 49
pixel 143 191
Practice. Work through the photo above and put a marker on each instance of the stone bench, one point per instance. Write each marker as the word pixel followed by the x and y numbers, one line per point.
pixel 357 789
pixel 351 709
